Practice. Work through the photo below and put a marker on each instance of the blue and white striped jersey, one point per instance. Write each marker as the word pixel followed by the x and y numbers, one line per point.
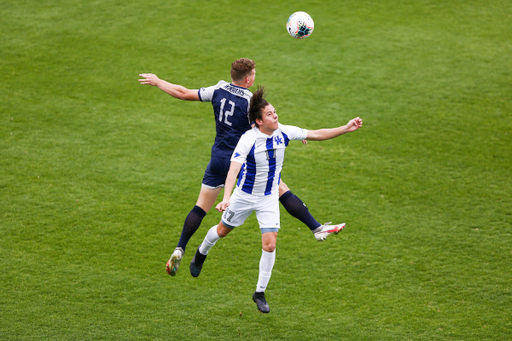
pixel 262 158
pixel 230 106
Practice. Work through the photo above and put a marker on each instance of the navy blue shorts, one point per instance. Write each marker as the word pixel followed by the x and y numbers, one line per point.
pixel 216 173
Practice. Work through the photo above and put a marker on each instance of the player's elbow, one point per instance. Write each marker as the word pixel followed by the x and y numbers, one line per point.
pixel 180 95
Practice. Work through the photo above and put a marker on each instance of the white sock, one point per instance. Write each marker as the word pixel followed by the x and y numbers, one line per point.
pixel 210 240
pixel 267 261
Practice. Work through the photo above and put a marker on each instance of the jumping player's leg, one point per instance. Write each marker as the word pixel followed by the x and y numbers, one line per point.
pixel 297 209
pixel 214 234
pixel 205 202
pixel 212 184
pixel 239 210
pixel 267 261
pixel 269 220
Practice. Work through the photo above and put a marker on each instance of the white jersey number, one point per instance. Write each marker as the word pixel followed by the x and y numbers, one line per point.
pixel 226 113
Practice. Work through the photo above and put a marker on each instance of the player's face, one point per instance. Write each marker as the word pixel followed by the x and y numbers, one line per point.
pixel 269 121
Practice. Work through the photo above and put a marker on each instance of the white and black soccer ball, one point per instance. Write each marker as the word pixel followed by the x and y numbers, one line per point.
pixel 300 25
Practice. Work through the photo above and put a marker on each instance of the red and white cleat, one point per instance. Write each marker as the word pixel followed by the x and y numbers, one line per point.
pixel 324 231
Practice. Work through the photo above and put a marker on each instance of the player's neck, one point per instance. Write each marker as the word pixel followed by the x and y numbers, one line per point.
pixel 266 131
pixel 239 84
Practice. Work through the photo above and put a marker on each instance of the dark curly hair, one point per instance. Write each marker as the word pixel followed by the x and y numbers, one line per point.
pixel 258 103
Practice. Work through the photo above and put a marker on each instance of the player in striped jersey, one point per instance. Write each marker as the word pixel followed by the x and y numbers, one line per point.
pixel 258 161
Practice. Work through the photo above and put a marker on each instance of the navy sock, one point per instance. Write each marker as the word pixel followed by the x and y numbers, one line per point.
pixel 192 223
pixel 298 209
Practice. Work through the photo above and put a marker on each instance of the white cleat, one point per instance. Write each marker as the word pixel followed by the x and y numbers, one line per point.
pixel 174 261
pixel 322 232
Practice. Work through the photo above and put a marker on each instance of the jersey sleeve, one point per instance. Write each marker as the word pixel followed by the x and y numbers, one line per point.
pixel 206 94
pixel 293 132
pixel 243 148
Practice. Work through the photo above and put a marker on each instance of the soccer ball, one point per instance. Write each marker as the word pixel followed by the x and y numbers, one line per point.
pixel 300 25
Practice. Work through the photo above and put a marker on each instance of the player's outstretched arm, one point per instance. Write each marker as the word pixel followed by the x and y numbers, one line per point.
pixel 326 134
pixel 234 169
pixel 176 91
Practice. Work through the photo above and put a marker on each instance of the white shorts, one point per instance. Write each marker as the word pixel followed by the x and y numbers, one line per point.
pixel 242 205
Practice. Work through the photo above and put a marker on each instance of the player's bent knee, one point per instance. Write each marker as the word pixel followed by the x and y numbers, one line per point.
pixel 269 248
pixel 269 241
pixel 222 230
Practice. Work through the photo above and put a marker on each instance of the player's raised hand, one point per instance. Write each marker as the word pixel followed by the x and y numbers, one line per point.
pixel 149 78
pixel 354 124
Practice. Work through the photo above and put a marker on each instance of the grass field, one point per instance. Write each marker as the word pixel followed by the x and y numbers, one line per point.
pixel 97 172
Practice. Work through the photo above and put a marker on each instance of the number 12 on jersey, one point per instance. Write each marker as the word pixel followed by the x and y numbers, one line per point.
pixel 226 113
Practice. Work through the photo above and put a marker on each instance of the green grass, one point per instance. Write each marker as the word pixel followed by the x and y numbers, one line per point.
pixel 97 173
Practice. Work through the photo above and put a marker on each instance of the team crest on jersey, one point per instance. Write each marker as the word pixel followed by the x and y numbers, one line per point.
pixel 279 140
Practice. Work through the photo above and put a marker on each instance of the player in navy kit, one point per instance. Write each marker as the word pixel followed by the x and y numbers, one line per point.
pixel 257 161
pixel 230 103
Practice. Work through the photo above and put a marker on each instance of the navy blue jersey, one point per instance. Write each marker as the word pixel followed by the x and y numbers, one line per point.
pixel 230 106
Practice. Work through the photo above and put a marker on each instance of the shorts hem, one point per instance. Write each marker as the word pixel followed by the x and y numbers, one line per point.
pixel 212 187
pixel 269 229
pixel 227 225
